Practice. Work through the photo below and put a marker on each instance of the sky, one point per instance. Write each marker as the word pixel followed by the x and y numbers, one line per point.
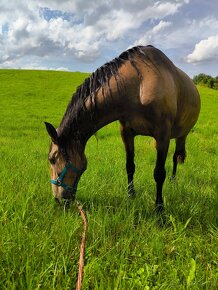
pixel 81 35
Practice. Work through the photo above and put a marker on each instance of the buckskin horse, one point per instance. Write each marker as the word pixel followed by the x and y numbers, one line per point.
pixel 149 96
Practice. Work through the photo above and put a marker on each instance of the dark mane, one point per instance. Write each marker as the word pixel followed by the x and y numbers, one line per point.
pixel 102 75
pixel 98 79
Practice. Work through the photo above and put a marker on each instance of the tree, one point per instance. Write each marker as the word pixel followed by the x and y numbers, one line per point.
pixel 206 80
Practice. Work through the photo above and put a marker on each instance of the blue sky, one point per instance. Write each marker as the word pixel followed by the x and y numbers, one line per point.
pixel 81 35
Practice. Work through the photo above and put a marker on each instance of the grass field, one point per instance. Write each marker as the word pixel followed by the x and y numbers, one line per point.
pixel 126 247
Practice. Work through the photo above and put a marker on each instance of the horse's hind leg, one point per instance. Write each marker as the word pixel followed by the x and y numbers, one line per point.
pixel 159 171
pixel 179 155
pixel 128 140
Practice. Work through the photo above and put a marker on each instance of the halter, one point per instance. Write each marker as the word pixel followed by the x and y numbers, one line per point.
pixel 59 180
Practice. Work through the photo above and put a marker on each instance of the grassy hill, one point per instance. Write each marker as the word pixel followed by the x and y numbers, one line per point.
pixel 126 248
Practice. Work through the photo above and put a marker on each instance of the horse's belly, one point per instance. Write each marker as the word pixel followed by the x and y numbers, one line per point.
pixel 184 125
pixel 140 126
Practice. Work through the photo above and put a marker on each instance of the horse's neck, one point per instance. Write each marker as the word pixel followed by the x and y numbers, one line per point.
pixel 97 113
pixel 104 111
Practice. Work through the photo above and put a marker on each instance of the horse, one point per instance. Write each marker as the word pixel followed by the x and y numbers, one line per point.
pixel 147 94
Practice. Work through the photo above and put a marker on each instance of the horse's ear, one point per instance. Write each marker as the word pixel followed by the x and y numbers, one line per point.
pixel 52 132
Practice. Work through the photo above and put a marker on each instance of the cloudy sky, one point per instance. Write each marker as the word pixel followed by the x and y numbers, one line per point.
pixel 81 35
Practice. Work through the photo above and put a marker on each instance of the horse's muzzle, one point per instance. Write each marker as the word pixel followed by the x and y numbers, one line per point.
pixel 68 194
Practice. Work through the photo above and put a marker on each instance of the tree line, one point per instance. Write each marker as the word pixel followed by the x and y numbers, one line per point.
pixel 206 80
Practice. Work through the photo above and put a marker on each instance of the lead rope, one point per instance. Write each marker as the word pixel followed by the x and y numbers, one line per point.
pixel 82 248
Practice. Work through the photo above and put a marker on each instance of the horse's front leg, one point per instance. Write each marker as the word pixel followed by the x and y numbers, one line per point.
pixel 159 171
pixel 128 140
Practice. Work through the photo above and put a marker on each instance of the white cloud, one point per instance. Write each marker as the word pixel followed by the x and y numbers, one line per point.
pixel 152 35
pixel 205 50
pixel 64 33
pixel 89 26
pixel 160 10
pixel 32 65
pixel 62 69
pixel 43 38
pixel 160 26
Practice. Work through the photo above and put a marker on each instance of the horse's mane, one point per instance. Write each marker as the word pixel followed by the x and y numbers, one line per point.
pixel 103 74
pixel 98 79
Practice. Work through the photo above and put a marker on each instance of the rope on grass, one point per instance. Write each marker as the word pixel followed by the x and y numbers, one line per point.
pixel 82 248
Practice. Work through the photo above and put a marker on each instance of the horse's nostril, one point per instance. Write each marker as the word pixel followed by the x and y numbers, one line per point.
pixel 67 194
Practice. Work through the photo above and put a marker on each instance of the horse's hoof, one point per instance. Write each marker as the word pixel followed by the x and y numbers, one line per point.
pixel 159 208
pixel 131 193
pixel 172 178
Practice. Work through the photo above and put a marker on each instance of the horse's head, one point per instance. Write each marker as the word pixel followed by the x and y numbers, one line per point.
pixel 67 163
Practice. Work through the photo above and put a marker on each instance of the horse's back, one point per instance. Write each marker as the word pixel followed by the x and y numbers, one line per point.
pixel 164 94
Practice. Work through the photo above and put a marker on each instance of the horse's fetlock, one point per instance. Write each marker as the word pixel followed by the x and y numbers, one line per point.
pixel 179 156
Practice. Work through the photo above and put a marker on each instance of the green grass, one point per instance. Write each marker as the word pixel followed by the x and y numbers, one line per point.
pixel 126 247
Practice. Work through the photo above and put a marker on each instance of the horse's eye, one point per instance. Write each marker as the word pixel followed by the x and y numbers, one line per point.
pixel 52 160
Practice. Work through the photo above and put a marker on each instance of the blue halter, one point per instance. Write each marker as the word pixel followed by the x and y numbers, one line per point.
pixel 59 180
